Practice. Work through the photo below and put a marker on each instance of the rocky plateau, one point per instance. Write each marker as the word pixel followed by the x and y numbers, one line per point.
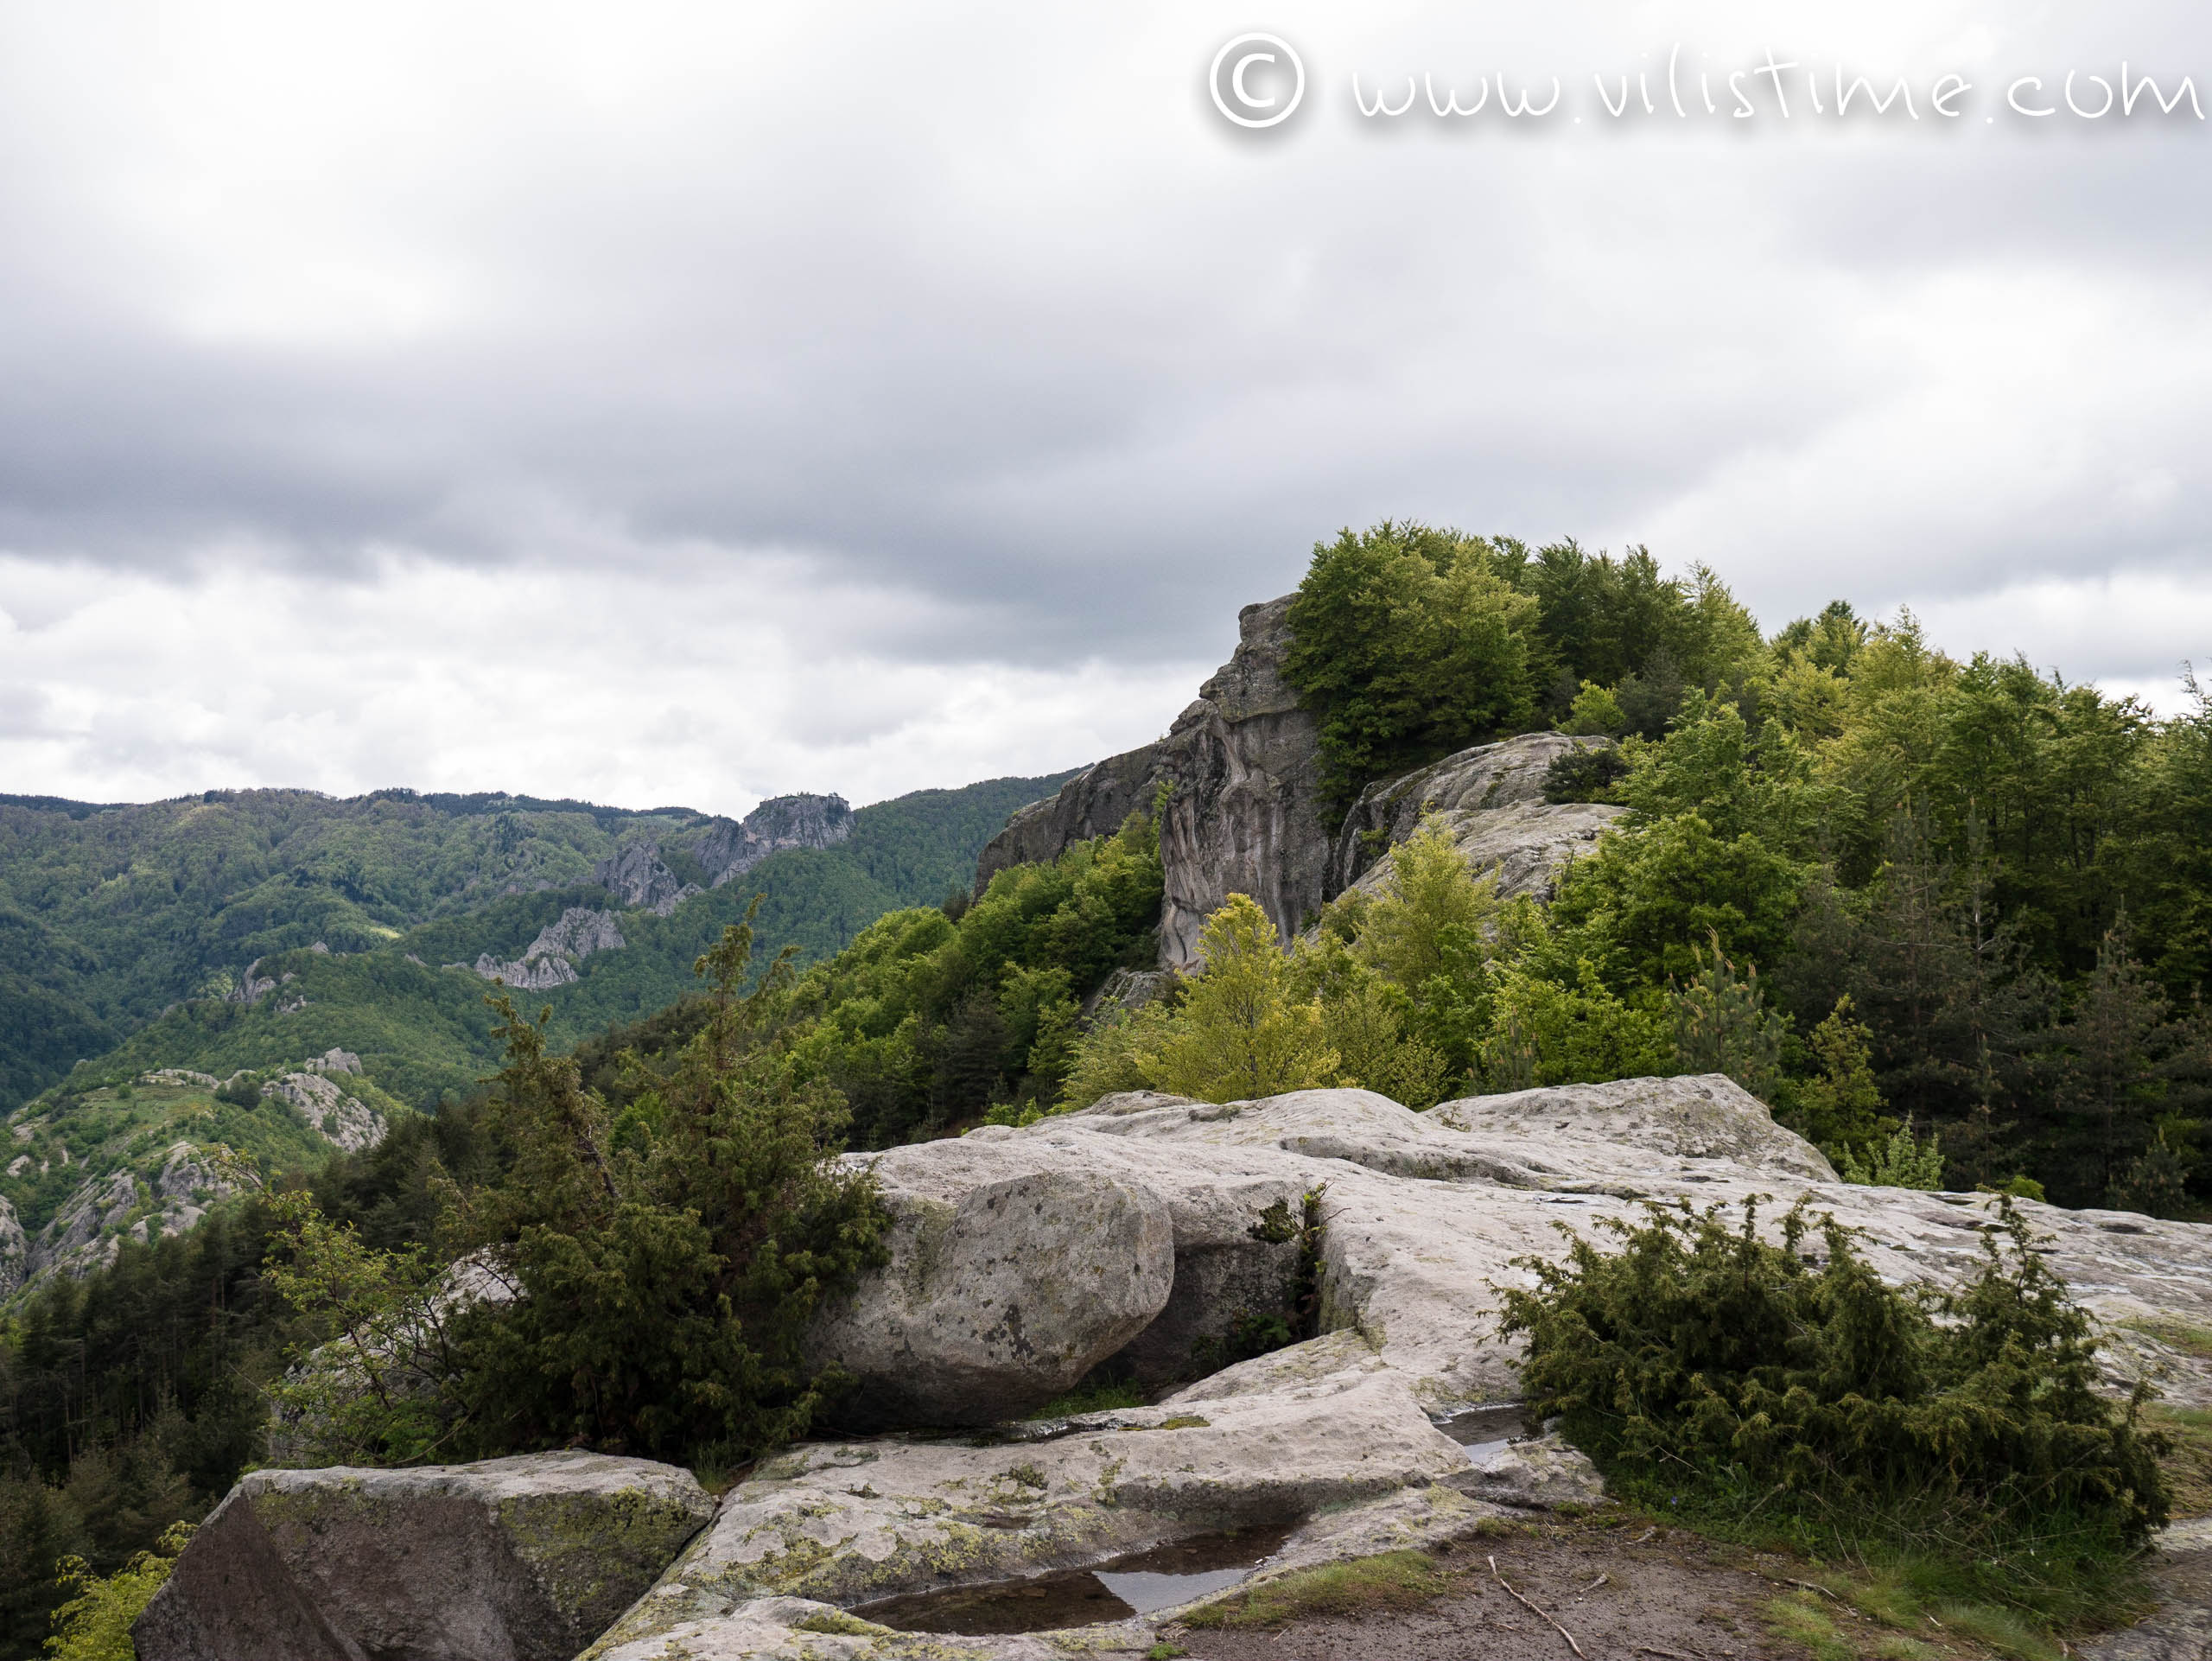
pixel 1115 1241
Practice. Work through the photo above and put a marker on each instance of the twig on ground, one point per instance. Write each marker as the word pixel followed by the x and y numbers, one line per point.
pixel 1594 1586
pixel 1810 1586
pixel 1533 1610
pixel 1641 1537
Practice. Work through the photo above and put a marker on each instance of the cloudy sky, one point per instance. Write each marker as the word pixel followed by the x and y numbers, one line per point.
pixel 664 403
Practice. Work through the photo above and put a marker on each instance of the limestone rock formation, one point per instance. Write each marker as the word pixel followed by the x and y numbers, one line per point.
pixel 331 1060
pixel 1491 799
pixel 550 959
pixel 1246 814
pixel 341 1119
pixel 178 1076
pixel 15 1249
pixel 1092 803
pixel 1243 763
pixel 88 1229
pixel 523 1559
pixel 735 847
pixel 188 1182
pixel 636 875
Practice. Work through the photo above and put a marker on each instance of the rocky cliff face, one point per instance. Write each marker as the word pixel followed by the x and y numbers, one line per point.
pixel 1092 803
pixel 1243 761
pixel 1244 815
pixel 636 875
pixel 550 959
pixel 735 847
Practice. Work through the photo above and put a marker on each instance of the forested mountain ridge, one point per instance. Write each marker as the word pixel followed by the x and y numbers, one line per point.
pixel 112 914
pixel 284 1049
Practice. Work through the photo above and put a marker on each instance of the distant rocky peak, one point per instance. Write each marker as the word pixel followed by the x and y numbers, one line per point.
pixel 735 847
pixel 636 875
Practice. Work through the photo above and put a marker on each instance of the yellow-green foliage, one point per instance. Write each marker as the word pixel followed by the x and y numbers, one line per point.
pixel 1903 1161
pixel 95 1623
pixel 1242 1031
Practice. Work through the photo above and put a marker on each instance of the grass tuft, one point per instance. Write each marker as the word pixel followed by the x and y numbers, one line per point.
pixel 1394 1580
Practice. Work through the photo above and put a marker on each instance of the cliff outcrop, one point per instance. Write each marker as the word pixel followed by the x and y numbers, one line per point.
pixel 735 847
pixel 1244 815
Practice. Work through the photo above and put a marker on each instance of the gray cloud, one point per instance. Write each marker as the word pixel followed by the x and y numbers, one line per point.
pixel 987 334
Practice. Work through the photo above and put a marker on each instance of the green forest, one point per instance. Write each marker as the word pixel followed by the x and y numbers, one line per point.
pixel 1951 917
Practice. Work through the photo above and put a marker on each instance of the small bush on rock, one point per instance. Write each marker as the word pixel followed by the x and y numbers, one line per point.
pixel 1790 1391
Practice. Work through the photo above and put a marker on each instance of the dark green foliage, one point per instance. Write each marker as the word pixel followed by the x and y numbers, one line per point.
pixel 665 1282
pixel 1701 1365
pixel 1410 642
pixel 1407 644
pixel 1586 773
pixel 926 1021
pixel 128 1401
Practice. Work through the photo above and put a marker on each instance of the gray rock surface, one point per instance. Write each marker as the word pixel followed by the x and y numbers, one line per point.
pixel 550 959
pixel 636 875
pixel 15 1249
pixel 846 1522
pixel 332 1112
pixel 1014 1273
pixel 1491 799
pixel 1246 815
pixel 735 846
pixel 522 1559
pixel 1149 1198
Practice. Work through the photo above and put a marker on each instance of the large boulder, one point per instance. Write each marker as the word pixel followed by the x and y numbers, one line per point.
pixel 1490 800
pixel 524 1559
pixel 1014 1272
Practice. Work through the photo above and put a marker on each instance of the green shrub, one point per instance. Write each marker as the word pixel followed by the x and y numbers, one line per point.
pixel 1585 773
pixel 1903 1161
pixel 664 1277
pixel 95 1625
pixel 1705 1368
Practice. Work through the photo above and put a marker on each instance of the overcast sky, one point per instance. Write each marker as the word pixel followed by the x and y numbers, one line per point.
pixel 695 402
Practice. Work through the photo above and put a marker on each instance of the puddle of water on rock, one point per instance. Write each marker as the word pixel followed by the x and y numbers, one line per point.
pixel 1484 1431
pixel 1133 1584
